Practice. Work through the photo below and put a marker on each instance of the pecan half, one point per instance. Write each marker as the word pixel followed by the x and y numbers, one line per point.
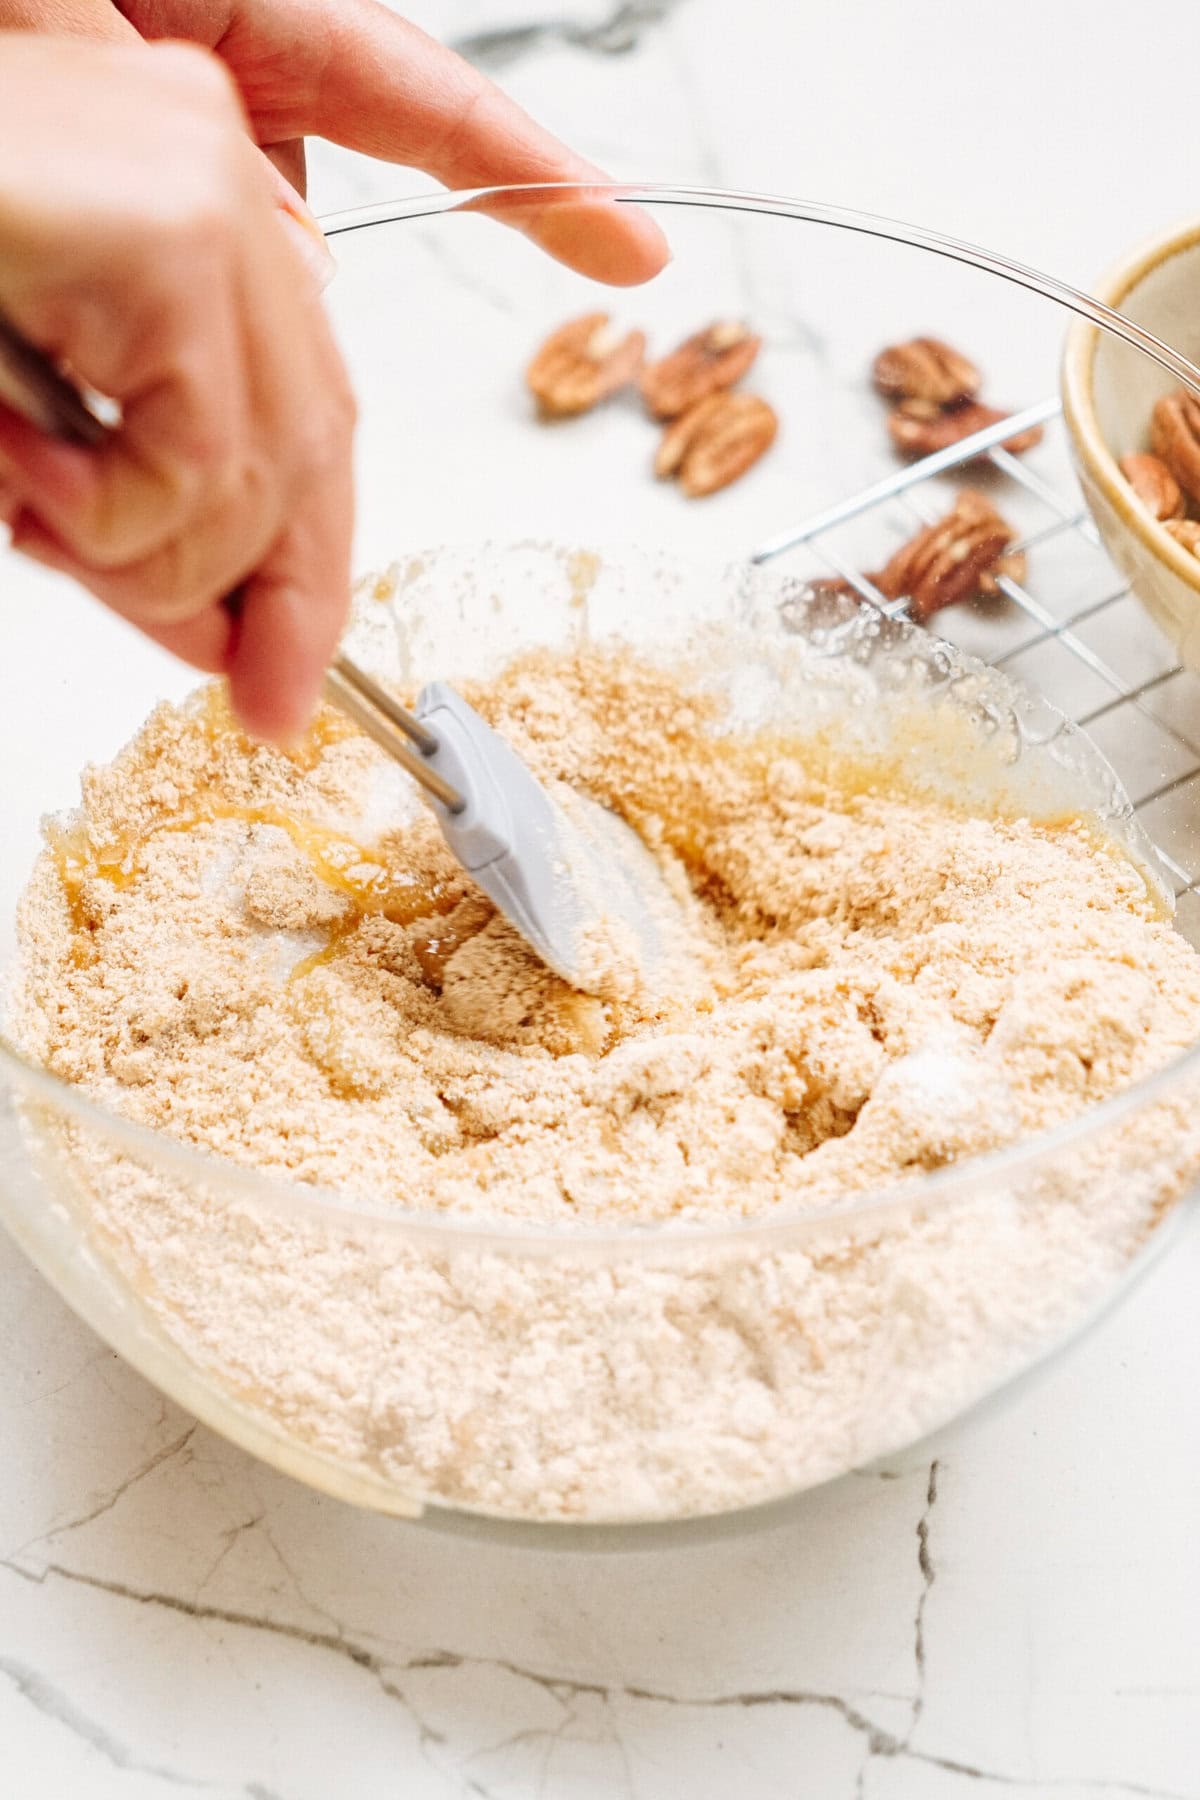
pixel 715 442
pixel 1185 532
pixel 925 369
pixel 703 364
pixel 950 560
pixel 1175 437
pixel 1154 485
pixel 919 427
pixel 582 363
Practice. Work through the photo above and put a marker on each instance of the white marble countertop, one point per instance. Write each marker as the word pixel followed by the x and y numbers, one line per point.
pixel 1010 1607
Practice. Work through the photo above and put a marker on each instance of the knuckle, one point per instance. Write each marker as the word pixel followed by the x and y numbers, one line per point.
pixel 134 535
pixel 201 199
pixel 204 468
pixel 156 592
pixel 321 450
pixel 181 578
pixel 130 522
pixel 250 495
pixel 199 74
pixel 109 542
pixel 203 218
pixel 186 237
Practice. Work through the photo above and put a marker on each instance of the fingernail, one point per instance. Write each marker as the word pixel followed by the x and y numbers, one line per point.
pixel 308 239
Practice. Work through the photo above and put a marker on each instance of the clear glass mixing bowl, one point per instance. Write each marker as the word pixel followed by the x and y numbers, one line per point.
pixel 484 514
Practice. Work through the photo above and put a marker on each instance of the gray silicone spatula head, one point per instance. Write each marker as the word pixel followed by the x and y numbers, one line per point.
pixel 576 881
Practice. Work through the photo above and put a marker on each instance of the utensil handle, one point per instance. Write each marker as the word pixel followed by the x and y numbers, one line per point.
pixel 35 387
pixel 344 691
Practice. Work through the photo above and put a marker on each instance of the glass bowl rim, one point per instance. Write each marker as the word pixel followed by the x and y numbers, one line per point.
pixel 960 1181
pixel 815 212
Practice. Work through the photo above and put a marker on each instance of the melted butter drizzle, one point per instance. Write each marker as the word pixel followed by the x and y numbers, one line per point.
pixel 374 888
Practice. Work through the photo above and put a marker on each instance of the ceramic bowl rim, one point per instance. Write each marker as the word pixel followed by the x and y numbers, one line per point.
pixel 1079 407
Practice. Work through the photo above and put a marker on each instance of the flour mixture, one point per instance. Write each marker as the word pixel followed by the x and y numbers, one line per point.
pixel 243 949
pixel 275 958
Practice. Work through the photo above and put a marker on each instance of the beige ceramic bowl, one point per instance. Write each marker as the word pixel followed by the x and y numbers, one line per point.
pixel 1109 390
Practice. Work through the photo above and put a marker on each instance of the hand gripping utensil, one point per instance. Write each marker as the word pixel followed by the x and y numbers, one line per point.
pixel 575 880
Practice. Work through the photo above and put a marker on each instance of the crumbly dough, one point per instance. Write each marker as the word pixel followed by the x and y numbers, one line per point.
pixel 273 957
pixel 878 986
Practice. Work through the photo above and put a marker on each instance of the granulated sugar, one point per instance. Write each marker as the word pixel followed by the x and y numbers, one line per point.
pixel 228 945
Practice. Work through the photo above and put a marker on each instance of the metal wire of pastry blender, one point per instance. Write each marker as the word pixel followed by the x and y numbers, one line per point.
pixel 1146 720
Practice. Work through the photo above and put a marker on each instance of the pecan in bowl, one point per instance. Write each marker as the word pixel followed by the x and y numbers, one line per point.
pixel 1154 485
pixel 1186 532
pixel 1175 438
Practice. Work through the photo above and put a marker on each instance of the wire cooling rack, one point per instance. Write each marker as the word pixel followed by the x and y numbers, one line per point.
pixel 1071 630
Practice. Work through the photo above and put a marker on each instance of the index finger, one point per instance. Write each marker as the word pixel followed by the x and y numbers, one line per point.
pixel 393 92
pixel 354 72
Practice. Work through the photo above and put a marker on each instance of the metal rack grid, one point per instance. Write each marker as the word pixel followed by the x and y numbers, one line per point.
pixel 1145 720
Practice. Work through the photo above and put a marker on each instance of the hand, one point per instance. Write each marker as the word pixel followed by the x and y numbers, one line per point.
pixel 136 241
pixel 140 242
pixel 354 72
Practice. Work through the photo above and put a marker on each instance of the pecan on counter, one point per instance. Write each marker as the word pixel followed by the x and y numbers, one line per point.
pixel 715 442
pixel 919 427
pixel 703 364
pixel 958 557
pixel 925 369
pixel 582 363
